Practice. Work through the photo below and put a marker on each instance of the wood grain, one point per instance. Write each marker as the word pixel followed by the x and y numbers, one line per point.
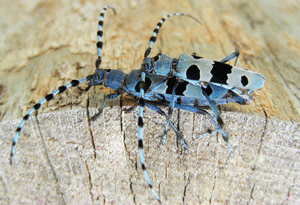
pixel 63 159
pixel 46 44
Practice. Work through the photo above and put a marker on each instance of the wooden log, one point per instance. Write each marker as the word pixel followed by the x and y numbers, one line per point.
pixel 61 158
pixel 47 44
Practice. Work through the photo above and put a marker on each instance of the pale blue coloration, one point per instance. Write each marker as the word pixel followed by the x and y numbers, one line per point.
pixel 186 83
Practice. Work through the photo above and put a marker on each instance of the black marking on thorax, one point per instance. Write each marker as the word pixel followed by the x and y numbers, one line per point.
pixel 156 58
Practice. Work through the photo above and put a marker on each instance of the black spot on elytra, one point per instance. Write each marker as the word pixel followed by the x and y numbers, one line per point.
pixel 219 72
pixel 181 87
pixel 170 83
pixel 244 80
pixel 193 73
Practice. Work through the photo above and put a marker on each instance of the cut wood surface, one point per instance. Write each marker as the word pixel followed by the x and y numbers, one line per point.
pixel 61 158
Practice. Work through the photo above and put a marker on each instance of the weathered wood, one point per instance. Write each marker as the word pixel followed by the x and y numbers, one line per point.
pixel 64 159
pixel 46 44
